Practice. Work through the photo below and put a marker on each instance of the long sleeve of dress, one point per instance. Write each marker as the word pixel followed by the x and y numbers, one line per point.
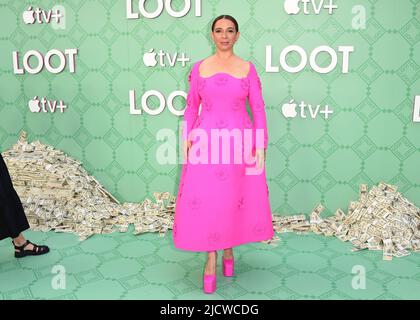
pixel 193 102
pixel 256 103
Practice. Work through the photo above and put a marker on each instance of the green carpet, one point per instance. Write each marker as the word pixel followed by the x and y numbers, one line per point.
pixel 124 266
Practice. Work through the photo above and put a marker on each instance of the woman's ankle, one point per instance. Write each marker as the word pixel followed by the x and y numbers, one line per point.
pixel 19 241
pixel 228 254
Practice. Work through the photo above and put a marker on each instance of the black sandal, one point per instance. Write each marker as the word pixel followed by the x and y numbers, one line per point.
pixel 36 251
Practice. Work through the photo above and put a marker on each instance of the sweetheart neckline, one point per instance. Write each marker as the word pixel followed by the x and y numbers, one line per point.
pixel 225 73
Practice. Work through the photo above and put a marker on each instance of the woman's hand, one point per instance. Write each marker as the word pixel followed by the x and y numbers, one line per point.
pixel 260 158
pixel 186 148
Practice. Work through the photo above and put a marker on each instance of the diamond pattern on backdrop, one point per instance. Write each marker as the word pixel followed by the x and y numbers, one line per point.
pixel 372 104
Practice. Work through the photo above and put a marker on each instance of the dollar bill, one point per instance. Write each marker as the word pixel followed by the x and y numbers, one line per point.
pixel 59 195
pixel 381 219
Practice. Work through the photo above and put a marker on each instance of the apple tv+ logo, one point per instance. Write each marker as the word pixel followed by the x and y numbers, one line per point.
pixel 149 58
pixel 289 110
pixel 293 7
pixel 30 16
pixel 37 105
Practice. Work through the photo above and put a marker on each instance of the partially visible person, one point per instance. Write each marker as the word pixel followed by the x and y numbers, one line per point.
pixel 12 217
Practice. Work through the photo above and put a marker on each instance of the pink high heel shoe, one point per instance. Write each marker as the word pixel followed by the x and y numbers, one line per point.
pixel 209 281
pixel 228 266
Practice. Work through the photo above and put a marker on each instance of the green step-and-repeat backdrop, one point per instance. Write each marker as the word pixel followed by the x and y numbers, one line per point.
pixel 100 79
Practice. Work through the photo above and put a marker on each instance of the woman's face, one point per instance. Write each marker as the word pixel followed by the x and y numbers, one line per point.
pixel 224 34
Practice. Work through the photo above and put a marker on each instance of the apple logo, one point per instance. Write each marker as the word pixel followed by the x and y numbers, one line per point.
pixel 34 105
pixel 28 16
pixel 289 109
pixel 149 58
pixel 291 6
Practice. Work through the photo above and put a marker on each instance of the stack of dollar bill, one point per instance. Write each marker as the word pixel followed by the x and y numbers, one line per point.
pixel 59 195
pixel 382 219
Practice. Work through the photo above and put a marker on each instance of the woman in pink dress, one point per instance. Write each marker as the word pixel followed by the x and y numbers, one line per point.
pixel 222 199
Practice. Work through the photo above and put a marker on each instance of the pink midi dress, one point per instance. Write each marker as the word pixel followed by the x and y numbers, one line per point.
pixel 222 201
